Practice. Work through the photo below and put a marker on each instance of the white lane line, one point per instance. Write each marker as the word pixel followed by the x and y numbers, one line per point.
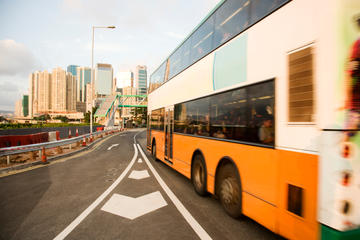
pixel 140 161
pixel 114 145
pixel 87 211
pixel 139 174
pixel 186 214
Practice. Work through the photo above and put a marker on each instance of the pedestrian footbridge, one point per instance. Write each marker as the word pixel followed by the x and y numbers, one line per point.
pixel 105 114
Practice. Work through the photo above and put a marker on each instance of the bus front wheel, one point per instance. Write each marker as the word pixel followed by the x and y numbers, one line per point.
pixel 229 190
pixel 198 175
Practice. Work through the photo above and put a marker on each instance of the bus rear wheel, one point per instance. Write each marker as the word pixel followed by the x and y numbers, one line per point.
pixel 198 175
pixel 153 150
pixel 229 190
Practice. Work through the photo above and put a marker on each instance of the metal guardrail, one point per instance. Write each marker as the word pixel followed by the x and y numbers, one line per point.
pixel 46 145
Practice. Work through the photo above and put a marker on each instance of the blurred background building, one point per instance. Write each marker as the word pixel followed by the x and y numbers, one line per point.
pixel 72 69
pixel 83 77
pixel 103 80
pixel 141 79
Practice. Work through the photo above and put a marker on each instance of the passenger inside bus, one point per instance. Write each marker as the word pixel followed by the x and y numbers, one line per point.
pixel 219 134
pixel 266 131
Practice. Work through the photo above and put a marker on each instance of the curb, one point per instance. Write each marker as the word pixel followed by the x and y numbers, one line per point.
pixel 51 159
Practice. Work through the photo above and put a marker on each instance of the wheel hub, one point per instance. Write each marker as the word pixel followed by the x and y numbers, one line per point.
pixel 229 194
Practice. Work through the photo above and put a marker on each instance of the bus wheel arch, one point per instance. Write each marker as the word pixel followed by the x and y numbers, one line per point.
pixel 228 187
pixel 199 172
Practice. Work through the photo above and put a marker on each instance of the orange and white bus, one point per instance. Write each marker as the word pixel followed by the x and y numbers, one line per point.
pixel 260 105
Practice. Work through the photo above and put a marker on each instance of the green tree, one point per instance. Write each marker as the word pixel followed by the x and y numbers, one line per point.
pixel 87 115
pixel 44 117
pixel 62 118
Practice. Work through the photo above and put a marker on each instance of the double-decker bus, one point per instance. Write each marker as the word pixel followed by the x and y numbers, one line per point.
pixel 260 105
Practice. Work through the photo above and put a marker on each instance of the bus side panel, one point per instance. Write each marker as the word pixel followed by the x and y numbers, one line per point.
pixel 160 143
pixel 299 170
pixel 258 166
pixel 260 211
pixel 182 155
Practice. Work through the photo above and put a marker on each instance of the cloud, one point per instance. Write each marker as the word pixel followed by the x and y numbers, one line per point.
pixel 11 89
pixel 16 59
pixel 8 87
pixel 175 35
pixel 92 10
pixel 107 47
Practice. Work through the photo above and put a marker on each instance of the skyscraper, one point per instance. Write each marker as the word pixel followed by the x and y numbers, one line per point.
pixel 58 91
pixel 70 92
pixel 25 105
pixel 132 79
pixel 33 93
pixel 18 108
pixel 83 76
pixel 141 79
pixel 103 79
pixel 63 97
pixel 44 92
pixel 51 93
pixel 72 69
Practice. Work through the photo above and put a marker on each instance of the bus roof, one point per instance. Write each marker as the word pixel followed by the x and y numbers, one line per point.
pixel 186 38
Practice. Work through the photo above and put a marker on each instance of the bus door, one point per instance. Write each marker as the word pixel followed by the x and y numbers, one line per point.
pixel 169 129
pixel 148 133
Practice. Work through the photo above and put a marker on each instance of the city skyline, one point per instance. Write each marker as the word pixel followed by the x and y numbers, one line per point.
pixel 145 34
pixel 67 91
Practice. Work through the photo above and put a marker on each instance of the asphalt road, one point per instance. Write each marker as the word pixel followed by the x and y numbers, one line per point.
pixel 114 191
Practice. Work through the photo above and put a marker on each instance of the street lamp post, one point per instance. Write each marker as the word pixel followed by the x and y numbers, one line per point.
pixel 92 76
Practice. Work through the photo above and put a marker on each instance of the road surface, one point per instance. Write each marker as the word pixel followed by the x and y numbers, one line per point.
pixel 114 191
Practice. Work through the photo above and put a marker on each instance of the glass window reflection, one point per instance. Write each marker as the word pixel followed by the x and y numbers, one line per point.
pixel 231 18
pixel 244 114
pixel 201 40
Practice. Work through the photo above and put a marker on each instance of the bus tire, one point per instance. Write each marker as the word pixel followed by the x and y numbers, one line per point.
pixel 198 175
pixel 229 190
pixel 153 150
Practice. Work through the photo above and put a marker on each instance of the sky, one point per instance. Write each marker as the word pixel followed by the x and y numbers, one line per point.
pixel 40 35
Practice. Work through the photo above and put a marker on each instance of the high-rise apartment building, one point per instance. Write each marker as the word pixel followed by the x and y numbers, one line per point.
pixel 18 108
pixel 58 90
pixel 70 92
pixel 44 92
pixel 33 93
pixel 72 69
pixel 63 91
pixel 83 77
pixel 103 79
pixel 51 92
pixel 141 79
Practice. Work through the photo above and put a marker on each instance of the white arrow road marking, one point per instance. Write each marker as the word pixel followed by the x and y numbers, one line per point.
pixel 181 208
pixel 139 174
pixel 87 211
pixel 114 145
pixel 132 208
pixel 140 161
